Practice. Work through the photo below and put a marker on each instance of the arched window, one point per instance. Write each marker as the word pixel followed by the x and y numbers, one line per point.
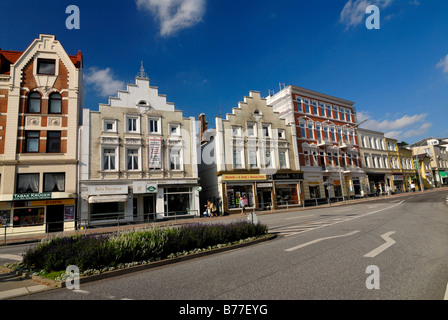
pixel 34 102
pixel 55 103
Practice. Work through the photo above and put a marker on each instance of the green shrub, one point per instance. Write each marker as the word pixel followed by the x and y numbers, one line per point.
pixel 100 251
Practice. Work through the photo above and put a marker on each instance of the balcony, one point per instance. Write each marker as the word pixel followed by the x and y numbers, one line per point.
pixel 325 143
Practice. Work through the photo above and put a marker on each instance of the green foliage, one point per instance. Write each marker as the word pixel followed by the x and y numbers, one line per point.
pixel 104 251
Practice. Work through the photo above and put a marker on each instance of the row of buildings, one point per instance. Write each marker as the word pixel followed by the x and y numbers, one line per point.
pixel 137 158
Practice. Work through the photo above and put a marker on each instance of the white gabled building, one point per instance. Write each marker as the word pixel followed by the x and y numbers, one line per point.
pixel 138 159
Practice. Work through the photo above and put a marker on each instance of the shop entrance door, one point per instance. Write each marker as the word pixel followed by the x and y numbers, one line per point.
pixel 149 208
pixel 55 218
pixel 264 199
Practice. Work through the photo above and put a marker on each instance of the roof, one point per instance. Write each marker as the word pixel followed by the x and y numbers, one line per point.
pixel 8 57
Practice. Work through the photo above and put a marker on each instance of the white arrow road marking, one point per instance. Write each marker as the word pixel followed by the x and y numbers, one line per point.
pixel 381 248
pixel 321 239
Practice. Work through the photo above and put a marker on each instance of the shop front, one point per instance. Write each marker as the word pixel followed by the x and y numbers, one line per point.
pixel 140 201
pixel 260 191
pixel 37 213
pixel 398 183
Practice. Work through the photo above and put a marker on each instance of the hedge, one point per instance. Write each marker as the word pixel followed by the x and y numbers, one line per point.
pixel 99 251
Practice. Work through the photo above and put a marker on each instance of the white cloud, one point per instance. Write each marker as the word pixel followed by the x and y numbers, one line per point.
pixel 354 11
pixel 174 15
pixel 443 64
pixel 103 81
pixel 399 128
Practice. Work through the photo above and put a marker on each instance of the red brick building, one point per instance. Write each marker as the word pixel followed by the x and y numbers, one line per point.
pixel 326 141
pixel 41 95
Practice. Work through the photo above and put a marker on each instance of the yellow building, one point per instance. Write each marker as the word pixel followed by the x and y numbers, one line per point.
pixel 396 182
pixel 407 167
pixel 425 176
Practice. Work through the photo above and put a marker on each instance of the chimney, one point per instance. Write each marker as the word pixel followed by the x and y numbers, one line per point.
pixel 202 125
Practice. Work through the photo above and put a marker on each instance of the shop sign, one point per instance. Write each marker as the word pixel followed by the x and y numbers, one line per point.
pixel 398 178
pixel 52 202
pixel 288 176
pixel 140 187
pixel 31 196
pixel 264 185
pixel 110 189
pixel 239 177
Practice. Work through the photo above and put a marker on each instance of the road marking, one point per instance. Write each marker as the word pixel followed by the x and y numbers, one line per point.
pixel 321 239
pixel 381 248
pixel 299 217
pixel 81 291
pixel 325 223
pixel 11 257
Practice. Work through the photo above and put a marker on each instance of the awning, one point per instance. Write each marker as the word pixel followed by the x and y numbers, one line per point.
pixel 104 199
pixel 443 174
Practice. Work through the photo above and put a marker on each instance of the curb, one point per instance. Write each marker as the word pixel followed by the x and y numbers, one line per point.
pixel 119 272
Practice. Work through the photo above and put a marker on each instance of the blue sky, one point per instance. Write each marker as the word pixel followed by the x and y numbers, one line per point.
pixel 206 55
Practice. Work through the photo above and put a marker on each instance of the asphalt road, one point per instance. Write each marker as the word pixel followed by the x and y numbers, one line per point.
pixel 387 249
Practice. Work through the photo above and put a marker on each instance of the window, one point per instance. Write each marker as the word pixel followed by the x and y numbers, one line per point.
pixel 46 66
pixel 32 141
pixel 175 159
pixel 311 130
pixel 132 159
pixel 132 124
pixel 283 159
pixel 54 141
pixel 328 109
pixel 333 134
pixel 281 134
pixel 175 129
pixel 27 183
pixel 110 125
pixel 307 106
pixel 236 131
pixel 303 130
pixel 55 103
pixel 315 108
pixel 237 157
pixel 299 105
pixel 322 109
pixel 266 130
pixel 253 160
pixel 154 126
pixel 336 112
pixel 109 159
pixel 268 159
pixel 54 182
pixel 318 131
pixel 251 130
pixel 34 102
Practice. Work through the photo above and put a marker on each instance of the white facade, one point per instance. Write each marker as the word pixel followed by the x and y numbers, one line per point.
pixel 138 159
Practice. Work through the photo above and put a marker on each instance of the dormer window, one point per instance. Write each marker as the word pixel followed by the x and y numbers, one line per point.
pixel 46 66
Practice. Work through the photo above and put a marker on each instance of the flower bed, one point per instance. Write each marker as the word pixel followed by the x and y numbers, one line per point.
pixel 106 252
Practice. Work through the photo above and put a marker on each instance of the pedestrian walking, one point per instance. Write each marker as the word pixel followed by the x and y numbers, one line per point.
pixel 242 205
